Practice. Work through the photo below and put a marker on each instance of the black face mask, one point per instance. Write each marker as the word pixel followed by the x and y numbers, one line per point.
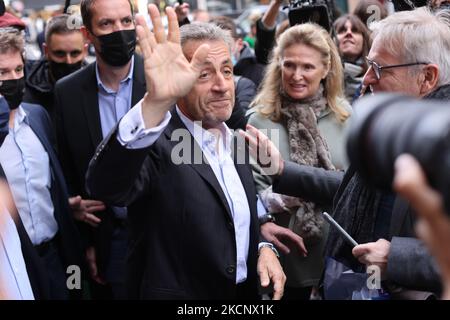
pixel 13 91
pixel 118 47
pixel 60 70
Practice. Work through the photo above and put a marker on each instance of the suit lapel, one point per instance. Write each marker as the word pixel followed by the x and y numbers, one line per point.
pixel 139 87
pixel 203 168
pixel 91 108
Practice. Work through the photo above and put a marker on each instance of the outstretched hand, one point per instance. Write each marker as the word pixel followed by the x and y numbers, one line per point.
pixel 263 151
pixel 168 74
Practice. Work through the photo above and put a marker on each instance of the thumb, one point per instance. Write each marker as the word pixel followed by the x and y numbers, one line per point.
pixel 73 201
pixel 360 250
pixel 264 278
pixel 199 58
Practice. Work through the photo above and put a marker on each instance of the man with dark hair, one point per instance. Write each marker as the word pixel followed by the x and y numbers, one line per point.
pixel 95 99
pixel 65 50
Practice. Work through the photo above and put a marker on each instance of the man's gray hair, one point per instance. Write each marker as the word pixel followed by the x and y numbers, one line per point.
pixel 417 36
pixel 201 31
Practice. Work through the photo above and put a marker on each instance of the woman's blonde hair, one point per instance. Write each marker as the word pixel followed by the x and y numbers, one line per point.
pixel 314 36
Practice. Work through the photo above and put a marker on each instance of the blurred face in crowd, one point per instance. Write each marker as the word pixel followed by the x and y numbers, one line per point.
pixel 211 100
pixel 399 79
pixel 67 48
pixel 11 65
pixel 350 42
pixel 302 70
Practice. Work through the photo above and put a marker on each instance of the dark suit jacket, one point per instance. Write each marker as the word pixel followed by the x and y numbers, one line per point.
pixel 409 262
pixel 182 243
pixel 79 132
pixel 68 238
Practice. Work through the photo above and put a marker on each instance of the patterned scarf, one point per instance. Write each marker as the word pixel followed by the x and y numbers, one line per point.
pixel 307 147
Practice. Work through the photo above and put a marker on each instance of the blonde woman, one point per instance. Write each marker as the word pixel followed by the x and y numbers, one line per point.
pixel 300 105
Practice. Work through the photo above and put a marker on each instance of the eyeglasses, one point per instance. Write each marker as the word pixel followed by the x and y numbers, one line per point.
pixel 377 68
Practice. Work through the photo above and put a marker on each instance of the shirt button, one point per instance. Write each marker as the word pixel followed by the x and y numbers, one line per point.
pixel 230 269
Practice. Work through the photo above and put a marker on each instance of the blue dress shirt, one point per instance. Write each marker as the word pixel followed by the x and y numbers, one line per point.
pixel 27 168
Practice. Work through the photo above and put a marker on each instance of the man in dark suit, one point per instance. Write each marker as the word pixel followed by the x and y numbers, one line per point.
pixel 29 163
pixel 197 236
pixel 88 105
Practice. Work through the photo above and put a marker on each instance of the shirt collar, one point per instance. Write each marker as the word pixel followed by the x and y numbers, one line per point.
pixel 206 138
pixel 20 116
pixel 127 78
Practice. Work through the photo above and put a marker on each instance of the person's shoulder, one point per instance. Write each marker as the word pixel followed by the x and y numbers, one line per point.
pixel 33 108
pixel 259 120
pixel 36 111
pixel 75 79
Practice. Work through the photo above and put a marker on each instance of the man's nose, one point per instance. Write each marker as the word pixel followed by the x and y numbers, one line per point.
pixel 370 78
pixel 219 83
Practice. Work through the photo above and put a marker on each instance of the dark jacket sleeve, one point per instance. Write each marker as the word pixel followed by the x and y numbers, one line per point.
pixel 265 41
pixel 109 180
pixel 310 183
pixel 411 265
pixel 245 92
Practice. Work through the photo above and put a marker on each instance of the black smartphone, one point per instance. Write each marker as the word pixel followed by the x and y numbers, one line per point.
pixel 180 1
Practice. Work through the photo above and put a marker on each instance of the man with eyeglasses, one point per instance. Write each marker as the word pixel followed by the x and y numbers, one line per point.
pixel 410 55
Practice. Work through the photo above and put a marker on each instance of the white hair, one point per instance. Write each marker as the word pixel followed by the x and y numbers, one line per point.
pixel 417 36
pixel 202 31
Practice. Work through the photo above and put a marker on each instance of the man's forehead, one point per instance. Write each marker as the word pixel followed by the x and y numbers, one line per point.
pixel 74 38
pixel 218 50
pixel 381 55
pixel 102 10
pixel 10 60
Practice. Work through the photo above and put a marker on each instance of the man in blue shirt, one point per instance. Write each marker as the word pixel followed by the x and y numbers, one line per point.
pixel 88 104
pixel 30 165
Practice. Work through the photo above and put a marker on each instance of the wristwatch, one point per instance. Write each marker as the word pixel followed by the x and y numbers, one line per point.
pixel 266 218
pixel 270 246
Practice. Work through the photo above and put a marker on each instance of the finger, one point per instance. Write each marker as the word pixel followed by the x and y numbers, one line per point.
pixel 199 58
pixel 89 203
pixel 280 246
pixel 158 28
pixel 74 201
pixel 174 28
pixel 92 220
pixel 297 240
pixel 360 250
pixel 278 288
pixel 93 209
pixel 144 42
pixel 264 277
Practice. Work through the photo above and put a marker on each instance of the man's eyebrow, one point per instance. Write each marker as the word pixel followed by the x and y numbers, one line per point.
pixel 103 20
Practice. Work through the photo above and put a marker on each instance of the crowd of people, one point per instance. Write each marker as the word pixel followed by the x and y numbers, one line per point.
pixel 129 167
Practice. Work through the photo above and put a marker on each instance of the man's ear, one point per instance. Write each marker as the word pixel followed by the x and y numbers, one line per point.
pixel 429 79
pixel 86 34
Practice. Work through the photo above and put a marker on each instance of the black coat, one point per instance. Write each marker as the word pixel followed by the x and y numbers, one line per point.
pixel 182 239
pixel 79 132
